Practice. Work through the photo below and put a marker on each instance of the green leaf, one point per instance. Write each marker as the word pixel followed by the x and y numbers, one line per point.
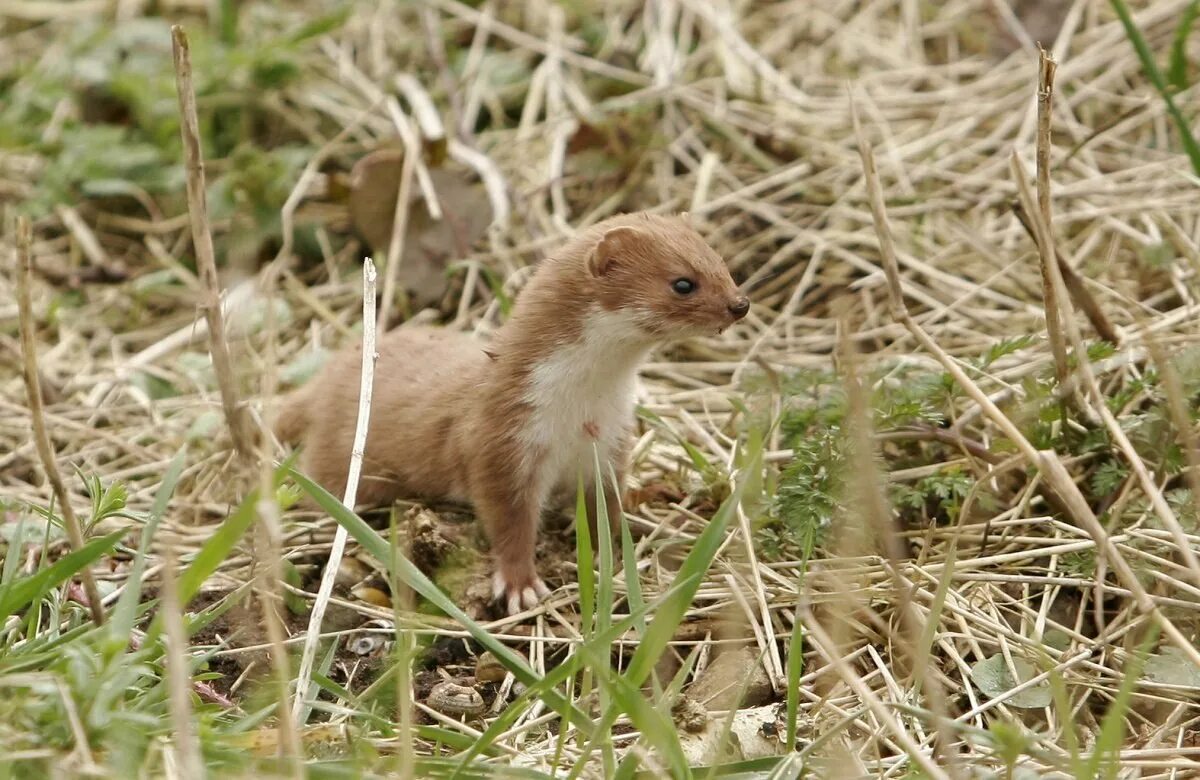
pixel 1172 667
pixel 21 593
pixel 993 678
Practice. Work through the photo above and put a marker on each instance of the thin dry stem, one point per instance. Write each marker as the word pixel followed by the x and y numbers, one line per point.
pixel 1076 286
pixel 268 582
pixel 1045 241
pixel 206 264
pixel 830 652
pixel 395 251
pixel 33 391
pixel 868 503
pixel 325 591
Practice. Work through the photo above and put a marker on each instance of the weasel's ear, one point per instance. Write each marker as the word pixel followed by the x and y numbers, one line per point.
pixel 614 242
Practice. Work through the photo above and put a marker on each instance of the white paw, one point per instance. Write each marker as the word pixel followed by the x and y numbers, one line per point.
pixel 518 597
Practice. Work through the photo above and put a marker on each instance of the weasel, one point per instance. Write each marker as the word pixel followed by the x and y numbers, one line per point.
pixel 507 424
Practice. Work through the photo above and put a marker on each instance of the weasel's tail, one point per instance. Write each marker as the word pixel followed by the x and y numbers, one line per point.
pixel 292 418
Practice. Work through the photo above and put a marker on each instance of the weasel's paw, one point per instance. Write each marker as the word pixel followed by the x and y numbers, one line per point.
pixel 518 592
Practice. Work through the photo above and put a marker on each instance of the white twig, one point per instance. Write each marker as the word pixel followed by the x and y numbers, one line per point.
pixel 348 500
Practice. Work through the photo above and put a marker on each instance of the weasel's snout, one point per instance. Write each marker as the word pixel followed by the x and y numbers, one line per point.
pixel 739 307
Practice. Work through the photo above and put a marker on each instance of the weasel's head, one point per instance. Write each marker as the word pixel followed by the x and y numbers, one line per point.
pixel 662 272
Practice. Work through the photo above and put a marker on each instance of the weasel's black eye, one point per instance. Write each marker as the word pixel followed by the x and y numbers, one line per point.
pixel 683 286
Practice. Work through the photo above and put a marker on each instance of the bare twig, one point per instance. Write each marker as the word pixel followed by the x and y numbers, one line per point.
pixel 235 415
pixel 33 389
pixel 868 503
pixel 90 245
pixel 1177 406
pixel 1045 242
pixel 325 591
pixel 1076 287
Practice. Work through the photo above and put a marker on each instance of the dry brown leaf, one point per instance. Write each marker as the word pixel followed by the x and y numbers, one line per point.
pixel 430 245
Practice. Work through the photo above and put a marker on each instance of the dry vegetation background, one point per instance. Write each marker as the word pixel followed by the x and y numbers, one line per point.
pixel 921 590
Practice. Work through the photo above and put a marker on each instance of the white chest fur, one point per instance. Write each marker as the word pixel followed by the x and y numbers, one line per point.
pixel 583 398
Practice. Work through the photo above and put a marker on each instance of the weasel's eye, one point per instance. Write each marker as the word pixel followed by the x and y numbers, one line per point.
pixel 683 286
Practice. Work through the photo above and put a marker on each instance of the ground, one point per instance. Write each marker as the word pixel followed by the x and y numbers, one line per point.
pixel 936 535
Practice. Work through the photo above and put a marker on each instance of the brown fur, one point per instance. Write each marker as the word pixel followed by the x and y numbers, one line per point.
pixel 498 428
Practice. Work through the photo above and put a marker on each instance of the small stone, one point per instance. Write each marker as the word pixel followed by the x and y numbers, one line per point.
pixel 489 669
pixel 689 715
pixel 718 685
pixel 371 595
pixel 351 571
pixel 452 698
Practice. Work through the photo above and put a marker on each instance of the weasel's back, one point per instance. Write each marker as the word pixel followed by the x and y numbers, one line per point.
pixel 419 375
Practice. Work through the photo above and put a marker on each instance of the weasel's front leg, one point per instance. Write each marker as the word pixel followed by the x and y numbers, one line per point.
pixel 510 512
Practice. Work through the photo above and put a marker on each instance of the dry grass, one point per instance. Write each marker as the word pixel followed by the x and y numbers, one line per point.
pixel 743 118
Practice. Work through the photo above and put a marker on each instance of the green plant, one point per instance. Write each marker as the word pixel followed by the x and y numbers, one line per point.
pixel 1177 71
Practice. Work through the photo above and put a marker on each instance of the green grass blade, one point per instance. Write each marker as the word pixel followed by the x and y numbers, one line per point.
pixel 658 730
pixel 125 612
pixel 584 563
pixel 1140 46
pixel 12 557
pixel 692 571
pixel 604 586
pixel 604 595
pixel 633 584
pixel 1062 706
pixel 1190 146
pixel 795 670
pixel 562 673
pixel 377 546
pixel 1177 64
pixel 1112 727
pixel 322 25
pixel 218 547
pixel 23 592
pixel 668 616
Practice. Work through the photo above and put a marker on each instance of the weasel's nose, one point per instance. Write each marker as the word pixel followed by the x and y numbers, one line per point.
pixel 739 307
